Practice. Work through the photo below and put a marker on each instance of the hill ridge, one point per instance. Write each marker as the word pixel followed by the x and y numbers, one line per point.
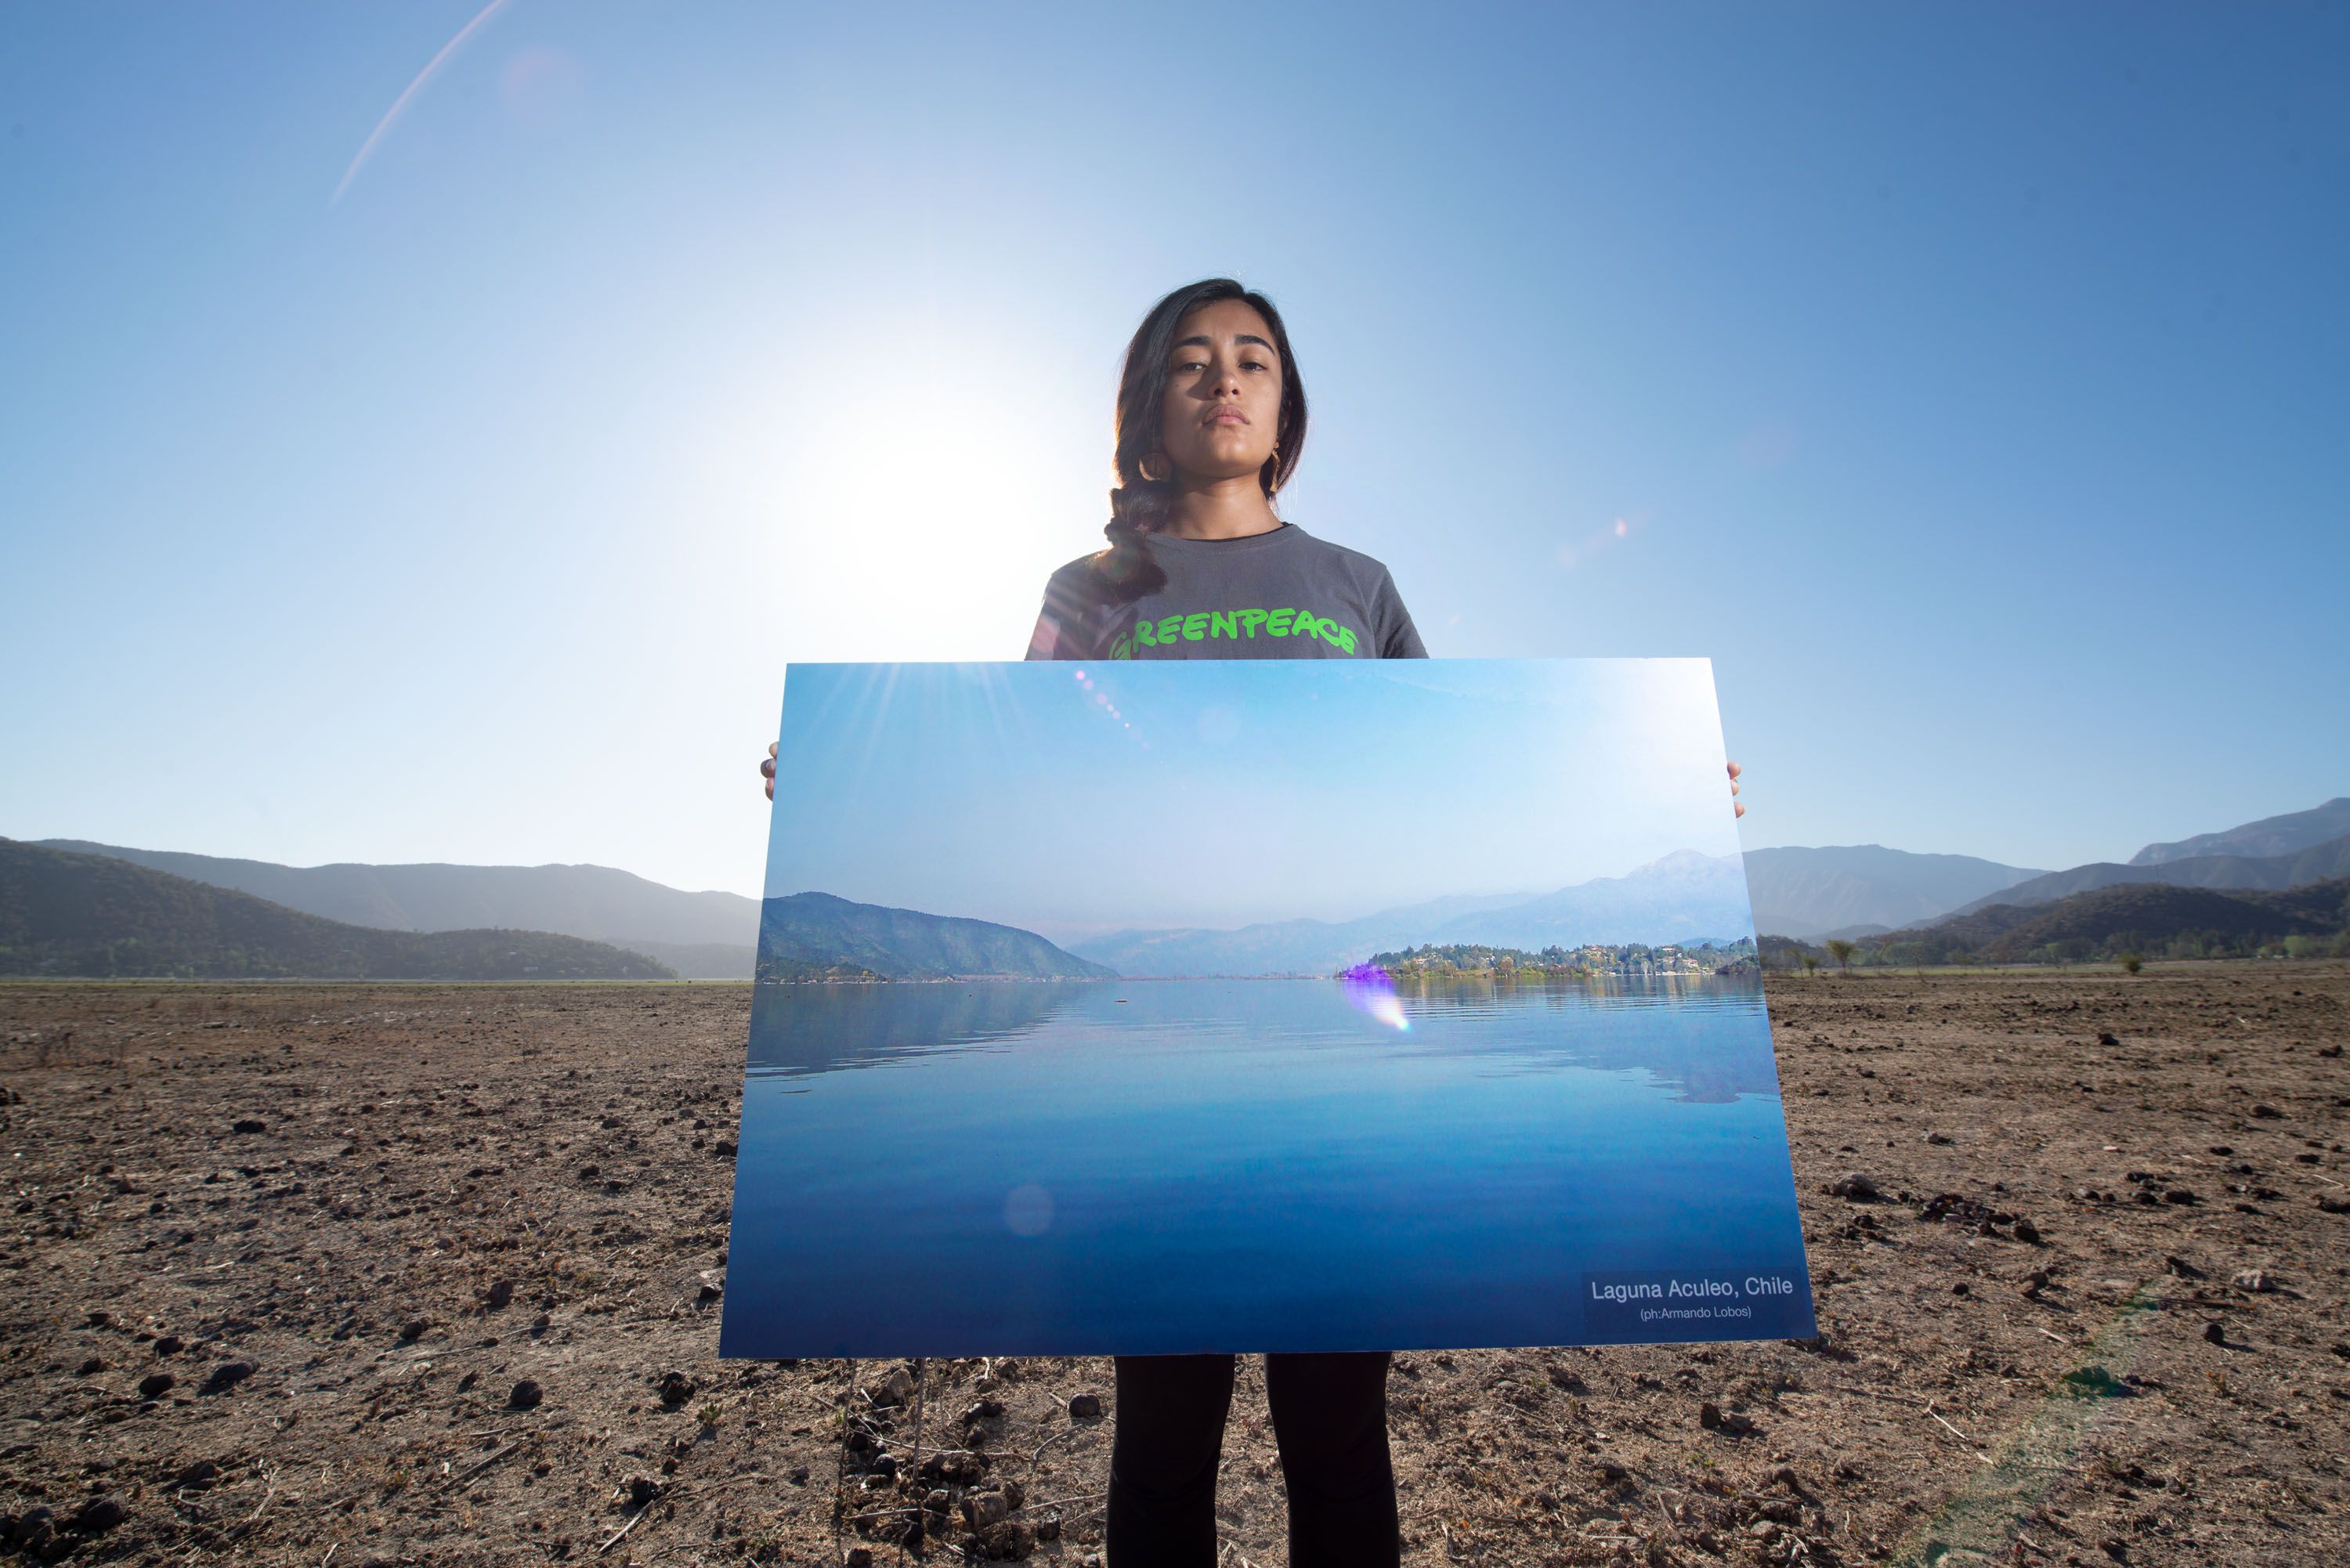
pixel 577 898
pixel 2270 835
pixel 815 935
pixel 2153 920
pixel 68 914
pixel 2276 873
pixel 1812 891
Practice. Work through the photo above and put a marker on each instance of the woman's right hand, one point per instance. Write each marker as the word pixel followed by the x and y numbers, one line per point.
pixel 767 770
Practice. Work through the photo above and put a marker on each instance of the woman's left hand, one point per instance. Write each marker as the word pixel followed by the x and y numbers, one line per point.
pixel 1734 771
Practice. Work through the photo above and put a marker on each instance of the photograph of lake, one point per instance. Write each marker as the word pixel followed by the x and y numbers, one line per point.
pixel 1270 1006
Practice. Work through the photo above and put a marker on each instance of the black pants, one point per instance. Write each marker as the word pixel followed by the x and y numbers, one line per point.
pixel 1330 1419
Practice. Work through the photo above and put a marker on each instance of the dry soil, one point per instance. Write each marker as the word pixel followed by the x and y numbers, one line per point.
pixel 352 1274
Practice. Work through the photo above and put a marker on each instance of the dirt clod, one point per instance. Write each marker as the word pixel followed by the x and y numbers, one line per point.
pixel 101 1514
pixel 227 1375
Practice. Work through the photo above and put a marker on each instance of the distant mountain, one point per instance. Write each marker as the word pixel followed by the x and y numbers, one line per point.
pixel 68 914
pixel 811 935
pixel 591 901
pixel 2140 916
pixel 1684 896
pixel 2275 873
pixel 1850 889
pixel 2264 839
pixel 1273 946
pixel 1281 946
pixel 701 960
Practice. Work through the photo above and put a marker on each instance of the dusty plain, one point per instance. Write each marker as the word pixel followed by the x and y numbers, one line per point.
pixel 451 1296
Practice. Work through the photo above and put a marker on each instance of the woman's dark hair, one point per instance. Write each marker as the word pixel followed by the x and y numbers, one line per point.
pixel 1139 507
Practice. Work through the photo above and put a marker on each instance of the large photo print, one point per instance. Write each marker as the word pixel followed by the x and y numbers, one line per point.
pixel 1276 1005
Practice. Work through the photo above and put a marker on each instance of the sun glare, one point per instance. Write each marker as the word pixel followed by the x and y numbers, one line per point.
pixel 1370 989
pixel 901 500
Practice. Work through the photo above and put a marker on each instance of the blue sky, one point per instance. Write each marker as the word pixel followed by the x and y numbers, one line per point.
pixel 1082 799
pixel 1965 382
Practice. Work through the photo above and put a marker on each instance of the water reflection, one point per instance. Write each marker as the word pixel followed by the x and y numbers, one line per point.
pixel 797 1030
pixel 1704 1038
pixel 1156 1167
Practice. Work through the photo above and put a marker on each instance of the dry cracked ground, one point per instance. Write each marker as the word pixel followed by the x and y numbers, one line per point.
pixel 392 1274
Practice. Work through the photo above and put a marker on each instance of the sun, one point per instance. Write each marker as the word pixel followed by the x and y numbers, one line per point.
pixel 893 494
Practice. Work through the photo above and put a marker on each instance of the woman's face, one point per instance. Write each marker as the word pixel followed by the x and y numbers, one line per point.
pixel 1222 409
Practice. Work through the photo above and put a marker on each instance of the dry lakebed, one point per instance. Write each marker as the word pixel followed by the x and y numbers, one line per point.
pixel 350 1274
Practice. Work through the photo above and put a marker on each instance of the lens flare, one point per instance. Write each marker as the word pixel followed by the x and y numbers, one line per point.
pixel 1372 990
pixel 1028 1210
pixel 400 104
pixel 1101 700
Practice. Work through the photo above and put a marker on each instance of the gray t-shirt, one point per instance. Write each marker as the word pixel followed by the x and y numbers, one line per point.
pixel 1278 594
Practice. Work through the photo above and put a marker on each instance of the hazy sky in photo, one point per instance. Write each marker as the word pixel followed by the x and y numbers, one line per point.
pixel 1219 793
pixel 429 429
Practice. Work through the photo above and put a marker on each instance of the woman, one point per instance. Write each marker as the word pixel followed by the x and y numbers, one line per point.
pixel 1211 422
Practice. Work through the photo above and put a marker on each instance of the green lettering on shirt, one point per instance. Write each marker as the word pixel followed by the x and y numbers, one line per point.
pixel 1200 626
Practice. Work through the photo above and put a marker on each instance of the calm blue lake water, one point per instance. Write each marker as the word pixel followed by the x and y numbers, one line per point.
pixel 1155 1166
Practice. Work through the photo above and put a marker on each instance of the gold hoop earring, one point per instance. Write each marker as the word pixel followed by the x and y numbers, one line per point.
pixel 1160 458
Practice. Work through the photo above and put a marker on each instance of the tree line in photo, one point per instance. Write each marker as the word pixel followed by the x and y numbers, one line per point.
pixel 1593 961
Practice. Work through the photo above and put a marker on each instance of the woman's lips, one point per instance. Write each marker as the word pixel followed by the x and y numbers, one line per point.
pixel 1227 416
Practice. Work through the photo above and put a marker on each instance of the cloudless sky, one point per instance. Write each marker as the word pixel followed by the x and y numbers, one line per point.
pixel 1965 382
pixel 1077 800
